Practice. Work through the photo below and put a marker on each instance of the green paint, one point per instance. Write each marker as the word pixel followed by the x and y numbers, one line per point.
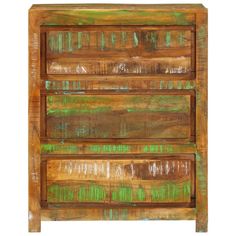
pixel 201 176
pixel 88 38
pixel 188 85
pixel 70 99
pixel 51 43
pixel 69 41
pixel 60 42
pixel 154 148
pixel 162 84
pixel 170 85
pixel 102 41
pixel 124 214
pixel 65 85
pixel 159 103
pixel 123 38
pixel 113 39
pixel 93 193
pixel 47 85
pixel 110 214
pixel 201 36
pixel 140 194
pixel 57 193
pixel 168 39
pixel 57 148
pixel 135 39
pixel 120 148
pixel 181 39
pixel 79 40
pixel 180 18
pixel 77 111
pixel 124 17
pixel 153 39
pixel 122 194
pixel 82 131
pixel 179 85
pixel 171 192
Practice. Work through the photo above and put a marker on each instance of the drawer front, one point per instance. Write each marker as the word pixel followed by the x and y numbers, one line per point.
pixel 119 116
pixel 107 50
pixel 160 180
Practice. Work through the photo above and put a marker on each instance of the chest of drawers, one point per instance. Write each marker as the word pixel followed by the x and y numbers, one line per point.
pixel 117 113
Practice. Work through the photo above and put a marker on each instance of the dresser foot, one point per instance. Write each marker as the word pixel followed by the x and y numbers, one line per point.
pixel 34 222
pixel 201 224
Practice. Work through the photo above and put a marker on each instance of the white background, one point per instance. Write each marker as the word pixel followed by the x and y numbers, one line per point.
pixel 13 127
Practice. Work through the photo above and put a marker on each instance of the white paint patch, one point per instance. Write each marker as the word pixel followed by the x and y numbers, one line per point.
pixel 70 168
pixel 132 170
pixel 118 171
pixel 167 168
pixel 95 169
pixel 30 215
pixel 108 169
pixel 80 69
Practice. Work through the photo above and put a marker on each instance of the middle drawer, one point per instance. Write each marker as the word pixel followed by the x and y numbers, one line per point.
pixel 159 116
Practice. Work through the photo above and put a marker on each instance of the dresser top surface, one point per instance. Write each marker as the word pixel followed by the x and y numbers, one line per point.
pixel 161 7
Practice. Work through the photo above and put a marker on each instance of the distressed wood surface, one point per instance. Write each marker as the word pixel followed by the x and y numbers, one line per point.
pixel 201 124
pixel 119 41
pixel 118 116
pixel 121 213
pixel 126 181
pixel 52 147
pixel 162 169
pixel 73 85
pixel 117 112
pixel 34 217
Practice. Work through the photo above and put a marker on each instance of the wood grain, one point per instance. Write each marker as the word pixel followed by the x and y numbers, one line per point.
pixel 121 213
pixel 117 101
pixel 34 126
pixel 123 116
pixel 201 124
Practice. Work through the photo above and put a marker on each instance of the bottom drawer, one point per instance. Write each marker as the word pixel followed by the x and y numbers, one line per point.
pixel 162 179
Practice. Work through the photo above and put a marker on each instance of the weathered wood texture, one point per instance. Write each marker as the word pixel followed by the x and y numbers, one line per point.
pixel 34 124
pixel 201 123
pixel 125 181
pixel 121 213
pixel 117 113
pixel 118 116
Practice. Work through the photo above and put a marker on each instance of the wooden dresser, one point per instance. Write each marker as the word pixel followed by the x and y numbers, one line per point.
pixel 117 113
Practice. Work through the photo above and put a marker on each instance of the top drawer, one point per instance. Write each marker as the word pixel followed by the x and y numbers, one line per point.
pixel 108 50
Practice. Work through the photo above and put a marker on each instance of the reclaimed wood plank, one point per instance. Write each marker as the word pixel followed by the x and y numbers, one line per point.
pixel 201 123
pixel 121 213
pixel 64 147
pixel 75 86
pixel 117 41
pixel 141 169
pixel 123 116
pixel 163 191
pixel 34 218
pixel 134 65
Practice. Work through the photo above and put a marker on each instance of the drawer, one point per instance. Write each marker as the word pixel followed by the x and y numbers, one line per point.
pixel 130 116
pixel 111 50
pixel 163 179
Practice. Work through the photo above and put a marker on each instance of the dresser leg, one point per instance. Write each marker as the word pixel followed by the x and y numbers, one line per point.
pixel 201 223
pixel 34 222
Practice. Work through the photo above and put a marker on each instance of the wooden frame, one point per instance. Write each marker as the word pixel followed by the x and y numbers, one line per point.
pixel 74 15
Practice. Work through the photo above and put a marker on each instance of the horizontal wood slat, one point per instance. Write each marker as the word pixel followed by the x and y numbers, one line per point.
pixel 62 146
pixel 120 213
pixel 117 84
